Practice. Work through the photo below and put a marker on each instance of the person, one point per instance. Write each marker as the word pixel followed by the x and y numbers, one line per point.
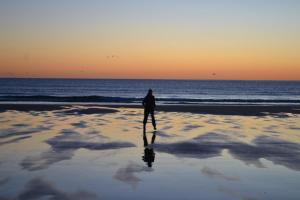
pixel 149 154
pixel 149 106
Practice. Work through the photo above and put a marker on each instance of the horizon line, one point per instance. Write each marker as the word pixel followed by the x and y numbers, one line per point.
pixel 166 79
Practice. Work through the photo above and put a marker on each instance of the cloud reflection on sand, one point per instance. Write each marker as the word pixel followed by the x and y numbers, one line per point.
pixel 191 127
pixel 12 132
pixel 80 124
pixel 127 174
pixel 236 194
pixel 164 134
pixel 4 180
pixel 211 145
pixel 39 188
pixel 65 144
pixel 93 152
pixel 15 139
pixel 213 173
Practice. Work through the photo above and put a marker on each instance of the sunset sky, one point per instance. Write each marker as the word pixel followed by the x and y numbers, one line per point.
pixel 154 39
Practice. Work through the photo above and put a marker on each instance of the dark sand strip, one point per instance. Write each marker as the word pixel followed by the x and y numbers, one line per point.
pixel 65 109
pixel 243 110
pixel 31 107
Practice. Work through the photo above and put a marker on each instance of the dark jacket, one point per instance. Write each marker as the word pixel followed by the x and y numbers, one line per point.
pixel 149 102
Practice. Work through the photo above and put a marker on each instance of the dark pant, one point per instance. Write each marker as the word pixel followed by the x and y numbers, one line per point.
pixel 146 114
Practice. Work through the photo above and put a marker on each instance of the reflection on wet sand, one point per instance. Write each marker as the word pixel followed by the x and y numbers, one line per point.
pixel 128 173
pixel 39 188
pixel 65 144
pixel 149 155
pixel 211 145
pixel 51 153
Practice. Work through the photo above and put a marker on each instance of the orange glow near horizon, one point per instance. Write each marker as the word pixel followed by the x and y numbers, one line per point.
pixel 226 46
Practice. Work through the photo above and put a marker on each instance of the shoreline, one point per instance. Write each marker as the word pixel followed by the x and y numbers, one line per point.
pixel 214 109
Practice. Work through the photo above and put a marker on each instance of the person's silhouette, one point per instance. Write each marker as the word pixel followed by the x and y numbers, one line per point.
pixel 149 106
pixel 149 154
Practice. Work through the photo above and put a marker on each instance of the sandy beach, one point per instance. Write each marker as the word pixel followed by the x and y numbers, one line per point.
pixel 89 151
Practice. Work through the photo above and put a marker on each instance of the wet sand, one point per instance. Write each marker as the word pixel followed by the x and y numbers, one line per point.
pixel 217 109
pixel 82 151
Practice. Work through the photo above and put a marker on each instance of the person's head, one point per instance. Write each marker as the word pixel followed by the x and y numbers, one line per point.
pixel 150 91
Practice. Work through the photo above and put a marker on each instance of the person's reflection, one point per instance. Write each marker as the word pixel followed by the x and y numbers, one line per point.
pixel 149 154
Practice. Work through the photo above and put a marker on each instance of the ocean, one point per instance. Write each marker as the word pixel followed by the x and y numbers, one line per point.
pixel 165 91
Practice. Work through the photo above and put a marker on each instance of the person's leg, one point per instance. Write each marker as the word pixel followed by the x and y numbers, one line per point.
pixel 146 113
pixel 153 119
